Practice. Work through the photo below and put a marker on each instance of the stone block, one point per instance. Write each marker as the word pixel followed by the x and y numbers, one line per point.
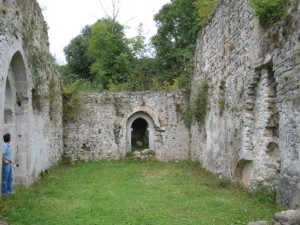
pixel 289 217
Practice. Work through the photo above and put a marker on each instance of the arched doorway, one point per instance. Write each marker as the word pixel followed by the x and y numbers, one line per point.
pixel 16 112
pixel 140 132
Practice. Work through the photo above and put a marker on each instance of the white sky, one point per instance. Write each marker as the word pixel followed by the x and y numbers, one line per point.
pixel 66 18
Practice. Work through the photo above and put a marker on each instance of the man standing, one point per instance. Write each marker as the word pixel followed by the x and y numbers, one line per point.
pixel 6 166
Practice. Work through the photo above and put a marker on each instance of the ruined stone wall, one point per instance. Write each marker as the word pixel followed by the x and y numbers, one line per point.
pixel 103 127
pixel 251 130
pixel 30 100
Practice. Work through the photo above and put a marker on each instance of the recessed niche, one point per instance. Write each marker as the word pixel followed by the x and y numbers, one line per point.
pixel 8 116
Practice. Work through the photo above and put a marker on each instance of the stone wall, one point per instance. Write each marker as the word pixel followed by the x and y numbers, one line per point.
pixel 105 124
pixel 30 100
pixel 251 131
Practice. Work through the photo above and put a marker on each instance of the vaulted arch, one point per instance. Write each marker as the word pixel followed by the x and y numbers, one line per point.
pixel 16 112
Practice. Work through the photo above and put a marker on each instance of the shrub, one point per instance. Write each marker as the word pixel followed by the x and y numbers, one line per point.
pixel 71 99
pixel 268 12
pixel 189 114
pixel 171 86
pixel 197 107
pixel 201 102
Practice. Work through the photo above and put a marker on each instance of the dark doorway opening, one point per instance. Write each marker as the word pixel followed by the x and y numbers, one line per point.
pixel 139 135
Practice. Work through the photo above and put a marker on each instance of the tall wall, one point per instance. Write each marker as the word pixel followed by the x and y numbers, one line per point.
pixel 30 100
pixel 102 129
pixel 252 126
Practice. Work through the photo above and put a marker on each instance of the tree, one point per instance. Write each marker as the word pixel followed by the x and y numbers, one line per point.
pixel 109 51
pixel 103 55
pixel 77 56
pixel 104 58
pixel 175 40
pixel 138 45
pixel 111 12
pixel 179 23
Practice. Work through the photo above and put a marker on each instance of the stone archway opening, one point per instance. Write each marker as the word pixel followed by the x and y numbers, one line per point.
pixel 16 112
pixel 139 135
pixel 140 132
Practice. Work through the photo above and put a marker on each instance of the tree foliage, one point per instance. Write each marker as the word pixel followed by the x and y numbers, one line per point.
pixel 179 23
pixel 77 55
pixel 175 40
pixel 106 60
pixel 109 51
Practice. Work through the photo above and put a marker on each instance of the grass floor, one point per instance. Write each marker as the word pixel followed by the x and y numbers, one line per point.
pixel 129 192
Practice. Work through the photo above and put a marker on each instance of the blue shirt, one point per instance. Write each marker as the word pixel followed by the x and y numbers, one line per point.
pixel 7 151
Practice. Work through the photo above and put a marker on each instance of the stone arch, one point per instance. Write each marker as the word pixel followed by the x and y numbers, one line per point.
pixel 16 112
pixel 260 129
pixel 140 116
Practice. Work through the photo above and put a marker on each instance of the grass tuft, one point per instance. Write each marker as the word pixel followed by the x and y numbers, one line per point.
pixel 264 195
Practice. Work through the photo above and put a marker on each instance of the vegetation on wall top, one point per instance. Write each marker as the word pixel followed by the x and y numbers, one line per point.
pixel 71 100
pixel 268 12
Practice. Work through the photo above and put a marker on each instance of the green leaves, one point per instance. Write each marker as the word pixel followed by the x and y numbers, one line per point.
pixel 109 50
pixel 205 8
pixel 105 58
pixel 268 12
pixel 176 37
pixel 71 100
pixel 198 106
pixel 76 53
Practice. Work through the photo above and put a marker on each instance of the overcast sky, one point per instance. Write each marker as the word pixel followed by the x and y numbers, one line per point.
pixel 66 18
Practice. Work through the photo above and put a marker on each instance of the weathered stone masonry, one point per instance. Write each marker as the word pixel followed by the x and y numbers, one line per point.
pixel 255 71
pixel 29 110
pixel 103 128
pixel 251 133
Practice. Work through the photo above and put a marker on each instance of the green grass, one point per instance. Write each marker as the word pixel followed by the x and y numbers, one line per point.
pixel 131 192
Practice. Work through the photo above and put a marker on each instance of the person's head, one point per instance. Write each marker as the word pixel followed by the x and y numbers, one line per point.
pixel 7 138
